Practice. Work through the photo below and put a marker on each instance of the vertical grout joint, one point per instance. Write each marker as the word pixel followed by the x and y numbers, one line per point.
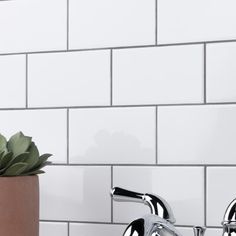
pixel 156 134
pixel 205 196
pixel 67 25
pixel 156 21
pixel 204 74
pixel 67 134
pixel 111 77
pixel 111 198
pixel 26 80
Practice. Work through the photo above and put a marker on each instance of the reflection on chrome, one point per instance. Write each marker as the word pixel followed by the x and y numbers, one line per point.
pixel 229 221
pixel 161 220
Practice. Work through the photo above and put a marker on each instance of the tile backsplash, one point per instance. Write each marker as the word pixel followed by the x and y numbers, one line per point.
pixel 138 94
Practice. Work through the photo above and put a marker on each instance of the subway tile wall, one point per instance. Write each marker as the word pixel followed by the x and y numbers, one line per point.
pixel 134 93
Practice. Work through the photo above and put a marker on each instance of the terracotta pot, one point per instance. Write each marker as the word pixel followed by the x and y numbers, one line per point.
pixel 19 206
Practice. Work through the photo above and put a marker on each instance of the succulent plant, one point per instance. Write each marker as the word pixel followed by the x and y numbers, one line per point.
pixel 20 156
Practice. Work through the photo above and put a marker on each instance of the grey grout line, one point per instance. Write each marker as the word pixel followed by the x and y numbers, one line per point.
pixel 78 50
pixel 204 73
pixel 112 219
pixel 156 22
pixel 156 134
pixel 68 228
pixel 120 47
pixel 115 223
pixel 205 196
pixel 26 80
pixel 121 106
pixel 145 165
pixel 111 77
pixel 67 135
pixel 214 227
pixel 127 106
pixel 67 24
pixel 82 222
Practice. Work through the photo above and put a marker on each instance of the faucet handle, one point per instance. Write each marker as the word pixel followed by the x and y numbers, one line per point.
pixel 199 230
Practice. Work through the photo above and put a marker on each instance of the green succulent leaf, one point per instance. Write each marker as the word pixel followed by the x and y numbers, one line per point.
pixel 3 143
pixel 20 156
pixel 43 158
pixel 16 169
pixel 46 163
pixel 5 160
pixel 1 155
pixel 36 172
pixel 33 156
pixel 33 150
pixel 18 143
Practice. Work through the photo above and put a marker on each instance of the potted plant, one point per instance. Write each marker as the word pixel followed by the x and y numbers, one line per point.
pixel 20 163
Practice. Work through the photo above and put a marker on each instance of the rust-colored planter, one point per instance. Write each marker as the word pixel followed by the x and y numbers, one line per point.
pixel 19 206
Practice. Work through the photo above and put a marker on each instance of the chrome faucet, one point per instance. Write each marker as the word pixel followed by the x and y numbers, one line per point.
pixel 161 220
pixel 229 221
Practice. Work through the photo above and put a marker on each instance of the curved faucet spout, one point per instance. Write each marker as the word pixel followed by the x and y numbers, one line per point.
pixel 156 203
pixel 161 221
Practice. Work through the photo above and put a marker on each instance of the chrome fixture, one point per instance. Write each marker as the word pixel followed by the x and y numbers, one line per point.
pixel 229 222
pixel 161 220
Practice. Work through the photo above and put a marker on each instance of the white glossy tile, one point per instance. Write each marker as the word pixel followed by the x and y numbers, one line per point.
pixel 197 134
pixel 47 127
pixel 112 135
pixel 221 72
pixel 32 25
pixel 220 193
pixel 69 79
pixel 195 20
pixel 96 229
pixel 13 81
pixel 214 232
pixel 53 229
pixel 158 75
pixel 182 187
pixel 76 193
pixel 185 231
pixel 111 23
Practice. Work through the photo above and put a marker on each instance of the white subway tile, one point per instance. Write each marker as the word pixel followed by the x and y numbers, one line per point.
pixel 111 23
pixel 69 79
pixel 158 75
pixel 37 25
pixel 47 127
pixel 185 231
pixel 13 81
pixel 214 232
pixel 76 193
pixel 181 187
pixel 197 134
pixel 195 20
pixel 53 229
pixel 112 135
pixel 221 72
pixel 96 229
pixel 220 192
